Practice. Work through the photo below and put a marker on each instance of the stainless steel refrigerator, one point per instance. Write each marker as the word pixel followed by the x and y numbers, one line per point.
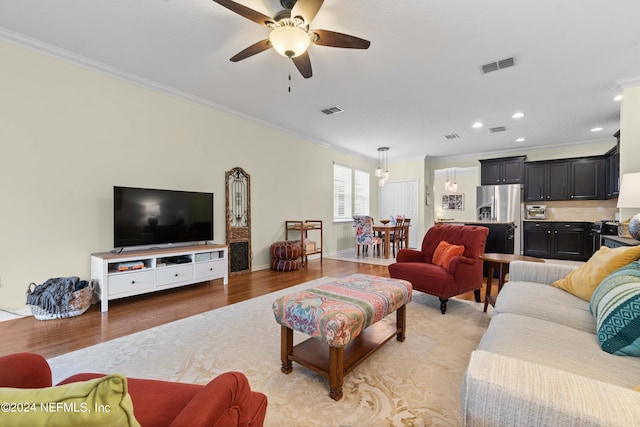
pixel 501 204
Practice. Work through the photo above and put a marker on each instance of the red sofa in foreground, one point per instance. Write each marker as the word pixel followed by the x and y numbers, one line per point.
pixel 225 401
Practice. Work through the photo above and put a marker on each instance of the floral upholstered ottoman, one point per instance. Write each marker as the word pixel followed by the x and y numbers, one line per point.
pixel 346 320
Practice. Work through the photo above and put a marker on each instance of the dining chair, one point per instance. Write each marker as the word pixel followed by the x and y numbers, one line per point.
pixel 365 236
pixel 398 234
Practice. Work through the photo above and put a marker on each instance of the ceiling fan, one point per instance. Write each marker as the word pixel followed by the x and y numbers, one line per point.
pixel 290 34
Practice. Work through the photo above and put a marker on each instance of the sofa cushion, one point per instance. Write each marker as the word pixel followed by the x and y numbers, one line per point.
pixel 583 281
pixel 558 346
pixel 616 307
pixel 445 252
pixel 99 402
pixel 542 302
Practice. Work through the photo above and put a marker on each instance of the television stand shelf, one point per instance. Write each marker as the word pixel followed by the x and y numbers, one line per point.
pixel 120 275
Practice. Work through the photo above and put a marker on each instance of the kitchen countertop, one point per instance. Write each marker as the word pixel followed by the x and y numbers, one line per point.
pixel 486 222
pixel 559 220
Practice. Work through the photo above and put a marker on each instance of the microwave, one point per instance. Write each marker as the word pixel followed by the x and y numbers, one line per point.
pixel 536 211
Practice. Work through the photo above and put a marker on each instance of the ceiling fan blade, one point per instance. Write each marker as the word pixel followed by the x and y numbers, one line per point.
pixel 306 9
pixel 303 64
pixel 255 48
pixel 247 12
pixel 333 39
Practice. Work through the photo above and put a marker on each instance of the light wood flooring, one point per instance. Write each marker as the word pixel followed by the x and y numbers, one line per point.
pixel 55 337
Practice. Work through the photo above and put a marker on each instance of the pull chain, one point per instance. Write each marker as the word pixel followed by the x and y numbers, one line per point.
pixel 290 75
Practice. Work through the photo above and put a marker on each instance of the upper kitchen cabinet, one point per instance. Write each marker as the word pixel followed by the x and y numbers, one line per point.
pixel 506 170
pixel 547 181
pixel 587 178
pixel 612 170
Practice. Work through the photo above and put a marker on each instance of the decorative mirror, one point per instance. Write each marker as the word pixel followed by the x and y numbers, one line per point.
pixel 238 198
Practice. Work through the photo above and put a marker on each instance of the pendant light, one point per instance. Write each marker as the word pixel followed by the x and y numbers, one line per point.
pixel 454 186
pixel 382 171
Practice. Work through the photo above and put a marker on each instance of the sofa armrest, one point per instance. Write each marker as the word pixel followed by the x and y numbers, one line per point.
pixel 24 370
pixel 224 401
pixel 409 255
pixel 499 390
pixel 538 272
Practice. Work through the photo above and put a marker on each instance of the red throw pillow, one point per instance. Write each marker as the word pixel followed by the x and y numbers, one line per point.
pixel 445 252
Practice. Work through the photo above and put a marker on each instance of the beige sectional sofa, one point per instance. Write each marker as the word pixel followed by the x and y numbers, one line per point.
pixel 540 362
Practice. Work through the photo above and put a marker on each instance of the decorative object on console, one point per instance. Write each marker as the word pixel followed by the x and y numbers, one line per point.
pixel 630 198
pixel 238 199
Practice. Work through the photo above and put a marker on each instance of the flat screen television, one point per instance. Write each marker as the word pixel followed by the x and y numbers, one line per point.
pixel 147 217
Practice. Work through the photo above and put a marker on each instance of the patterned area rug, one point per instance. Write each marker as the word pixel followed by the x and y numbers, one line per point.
pixel 415 383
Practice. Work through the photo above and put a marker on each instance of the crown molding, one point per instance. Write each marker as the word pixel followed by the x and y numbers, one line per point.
pixel 628 82
pixel 55 52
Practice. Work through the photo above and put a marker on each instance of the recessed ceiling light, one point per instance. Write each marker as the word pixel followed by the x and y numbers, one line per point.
pixel 518 115
pixel 477 125
pixel 520 140
pixel 617 98
pixel 597 129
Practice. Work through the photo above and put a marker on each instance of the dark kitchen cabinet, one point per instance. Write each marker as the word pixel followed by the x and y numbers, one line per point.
pixel 506 170
pixel 586 178
pixel 612 170
pixel 546 181
pixel 557 240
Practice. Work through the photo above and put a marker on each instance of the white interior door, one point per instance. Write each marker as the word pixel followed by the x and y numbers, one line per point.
pixel 401 198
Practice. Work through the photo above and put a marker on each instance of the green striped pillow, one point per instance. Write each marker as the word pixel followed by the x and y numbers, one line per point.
pixel 615 305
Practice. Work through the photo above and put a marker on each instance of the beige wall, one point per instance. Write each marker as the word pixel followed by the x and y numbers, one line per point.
pixel 629 137
pixel 68 135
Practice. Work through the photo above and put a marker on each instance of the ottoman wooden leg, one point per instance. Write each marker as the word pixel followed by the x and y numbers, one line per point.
pixel 286 349
pixel 401 322
pixel 336 372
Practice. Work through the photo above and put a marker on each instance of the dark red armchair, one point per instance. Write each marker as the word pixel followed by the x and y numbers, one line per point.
pixel 225 401
pixel 464 273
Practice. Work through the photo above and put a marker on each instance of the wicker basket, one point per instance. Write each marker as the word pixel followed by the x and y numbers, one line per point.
pixel 80 302
pixel 623 230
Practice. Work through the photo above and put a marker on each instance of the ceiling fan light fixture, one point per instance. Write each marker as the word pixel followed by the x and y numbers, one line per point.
pixel 289 41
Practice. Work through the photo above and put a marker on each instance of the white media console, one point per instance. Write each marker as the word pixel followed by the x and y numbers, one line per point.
pixel 125 274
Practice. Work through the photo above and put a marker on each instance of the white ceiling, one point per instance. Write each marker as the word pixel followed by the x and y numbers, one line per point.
pixel 419 80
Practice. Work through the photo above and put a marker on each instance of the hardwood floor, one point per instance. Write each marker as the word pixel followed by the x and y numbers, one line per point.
pixel 54 337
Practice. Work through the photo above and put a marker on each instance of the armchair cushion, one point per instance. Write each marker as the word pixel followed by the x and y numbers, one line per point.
pixel 445 252
pixel 98 402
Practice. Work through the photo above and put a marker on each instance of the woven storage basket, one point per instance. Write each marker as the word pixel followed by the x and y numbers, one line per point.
pixel 80 302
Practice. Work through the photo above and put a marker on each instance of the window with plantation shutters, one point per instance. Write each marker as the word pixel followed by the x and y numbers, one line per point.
pixel 342 193
pixel 361 192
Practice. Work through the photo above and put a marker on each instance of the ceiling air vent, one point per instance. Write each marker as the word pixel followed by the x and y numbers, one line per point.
pixel 332 110
pixel 497 129
pixel 452 136
pixel 498 65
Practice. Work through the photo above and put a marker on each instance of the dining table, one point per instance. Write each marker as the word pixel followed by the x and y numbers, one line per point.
pixel 385 231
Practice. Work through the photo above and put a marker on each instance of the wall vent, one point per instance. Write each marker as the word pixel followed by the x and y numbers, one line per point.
pixel 332 110
pixel 497 129
pixel 452 136
pixel 498 65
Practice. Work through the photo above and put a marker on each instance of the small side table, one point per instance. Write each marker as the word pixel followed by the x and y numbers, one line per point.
pixel 500 262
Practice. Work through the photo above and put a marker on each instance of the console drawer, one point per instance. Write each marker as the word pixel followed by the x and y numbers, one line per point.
pixel 175 274
pixel 210 269
pixel 121 283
